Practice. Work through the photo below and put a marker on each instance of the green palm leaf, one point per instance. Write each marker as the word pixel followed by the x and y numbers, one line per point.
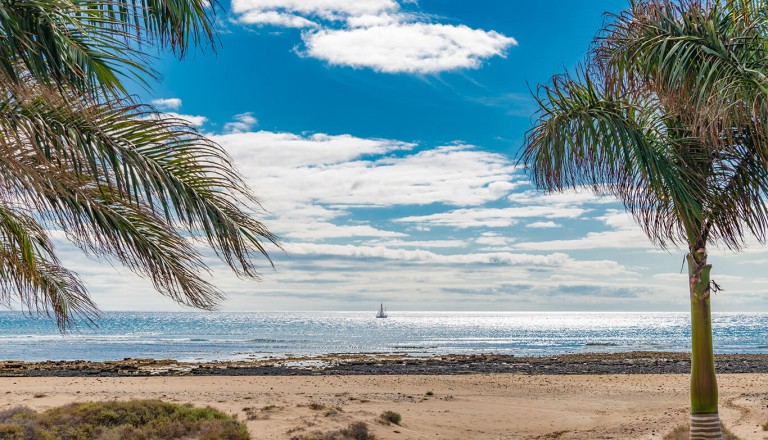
pixel 670 116
pixel 93 45
pixel 31 275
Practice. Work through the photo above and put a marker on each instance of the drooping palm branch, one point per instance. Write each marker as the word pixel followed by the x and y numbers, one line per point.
pixel 117 178
pixel 93 45
pixel 673 130
pixel 670 114
pixel 122 181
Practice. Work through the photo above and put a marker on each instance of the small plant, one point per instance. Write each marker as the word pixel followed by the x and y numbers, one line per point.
pixel 355 431
pixel 39 395
pixel 430 393
pixel 391 417
pixel 314 406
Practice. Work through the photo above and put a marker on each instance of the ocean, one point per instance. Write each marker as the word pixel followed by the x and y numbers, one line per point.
pixel 237 336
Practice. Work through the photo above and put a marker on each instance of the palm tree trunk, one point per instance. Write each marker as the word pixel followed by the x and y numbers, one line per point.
pixel 705 420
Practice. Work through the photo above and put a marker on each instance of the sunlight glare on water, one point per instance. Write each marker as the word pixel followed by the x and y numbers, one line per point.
pixel 224 336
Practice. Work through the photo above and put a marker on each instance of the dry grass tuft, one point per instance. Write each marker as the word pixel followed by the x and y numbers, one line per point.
pixel 355 431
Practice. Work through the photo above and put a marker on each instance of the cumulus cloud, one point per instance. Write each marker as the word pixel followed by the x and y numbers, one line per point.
pixel 376 34
pixel 492 239
pixel 407 47
pixel 167 103
pixel 241 122
pixel 292 170
pixel 257 150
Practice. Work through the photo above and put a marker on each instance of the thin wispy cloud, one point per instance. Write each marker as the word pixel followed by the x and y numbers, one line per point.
pixel 491 217
pixel 195 120
pixel 622 233
pixel 543 225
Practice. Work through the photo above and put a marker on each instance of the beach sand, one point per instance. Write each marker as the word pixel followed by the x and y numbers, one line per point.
pixel 472 406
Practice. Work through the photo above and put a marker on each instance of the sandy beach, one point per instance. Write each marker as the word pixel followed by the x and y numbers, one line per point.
pixel 470 406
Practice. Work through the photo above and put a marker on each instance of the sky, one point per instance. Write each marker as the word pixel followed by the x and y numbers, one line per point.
pixel 382 138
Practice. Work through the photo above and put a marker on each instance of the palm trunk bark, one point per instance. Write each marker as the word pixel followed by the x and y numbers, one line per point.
pixel 705 420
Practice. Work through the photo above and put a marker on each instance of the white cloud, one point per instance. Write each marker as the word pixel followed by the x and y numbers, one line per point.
pixel 491 217
pixel 543 225
pixel 434 244
pixel 241 122
pixel 274 18
pixel 167 103
pixel 407 47
pixel 624 234
pixel 370 20
pixel 290 171
pixel 376 34
pixel 265 149
pixel 572 268
pixel 568 197
pixel 328 9
pixel 324 230
pixel 192 119
pixel 492 239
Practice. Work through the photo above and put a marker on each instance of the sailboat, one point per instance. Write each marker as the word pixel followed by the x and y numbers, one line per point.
pixel 381 313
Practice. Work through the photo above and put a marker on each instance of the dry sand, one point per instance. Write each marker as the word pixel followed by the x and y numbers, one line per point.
pixel 496 406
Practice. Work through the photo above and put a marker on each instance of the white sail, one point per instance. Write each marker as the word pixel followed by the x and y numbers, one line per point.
pixel 381 313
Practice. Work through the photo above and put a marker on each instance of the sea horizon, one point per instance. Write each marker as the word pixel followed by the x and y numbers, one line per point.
pixel 227 336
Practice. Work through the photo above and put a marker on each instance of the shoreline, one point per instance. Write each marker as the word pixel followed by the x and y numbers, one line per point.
pixel 388 364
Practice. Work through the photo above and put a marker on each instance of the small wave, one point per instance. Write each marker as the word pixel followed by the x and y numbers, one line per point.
pixel 601 344
pixel 198 340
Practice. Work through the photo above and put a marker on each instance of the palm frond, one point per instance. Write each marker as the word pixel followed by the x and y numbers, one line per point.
pixel 93 45
pixel 675 123
pixel 705 60
pixel 586 134
pixel 126 181
pixel 32 276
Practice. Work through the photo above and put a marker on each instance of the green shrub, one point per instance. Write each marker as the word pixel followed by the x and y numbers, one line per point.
pixel 132 420
pixel 391 417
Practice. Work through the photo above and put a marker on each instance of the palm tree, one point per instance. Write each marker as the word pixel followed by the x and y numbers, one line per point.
pixel 79 157
pixel 669 114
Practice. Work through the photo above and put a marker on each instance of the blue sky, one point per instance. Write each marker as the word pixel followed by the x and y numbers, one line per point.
pixel 381 136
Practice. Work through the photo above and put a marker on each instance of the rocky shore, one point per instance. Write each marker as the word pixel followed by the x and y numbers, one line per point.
pixel 379 364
